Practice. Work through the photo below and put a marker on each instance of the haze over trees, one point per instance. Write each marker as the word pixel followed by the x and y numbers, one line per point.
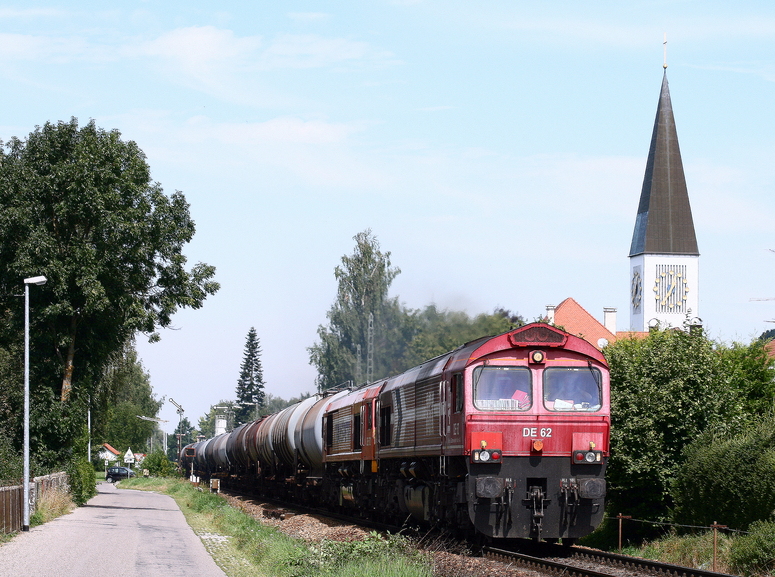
pixel 80 207
pixel 349 352
pixel 364 279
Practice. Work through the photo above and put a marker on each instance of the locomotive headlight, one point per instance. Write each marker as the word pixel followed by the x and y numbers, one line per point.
pixel 587 457
pixel 486 455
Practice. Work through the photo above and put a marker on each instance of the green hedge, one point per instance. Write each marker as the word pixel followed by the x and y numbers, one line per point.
pixel 728 477
pixel 158 465
pixel 83 481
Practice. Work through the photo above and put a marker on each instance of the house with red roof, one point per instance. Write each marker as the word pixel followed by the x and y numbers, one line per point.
pixel 109 454
pixel 575 319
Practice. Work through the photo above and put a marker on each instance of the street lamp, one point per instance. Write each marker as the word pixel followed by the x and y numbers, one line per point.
pixel 36 280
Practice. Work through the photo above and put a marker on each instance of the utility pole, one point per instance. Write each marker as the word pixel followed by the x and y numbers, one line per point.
pixel 180 412
pixel 358 365
pixel 370 350
pixel 155 420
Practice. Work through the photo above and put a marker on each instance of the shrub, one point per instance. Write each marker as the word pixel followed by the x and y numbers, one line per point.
pixel 729 478
pixel 754 554
pixel 83 481
pixel 158 465
pixel 11 465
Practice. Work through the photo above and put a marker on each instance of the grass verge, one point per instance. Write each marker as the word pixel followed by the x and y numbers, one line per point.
pixel 242 546
pixel 52 504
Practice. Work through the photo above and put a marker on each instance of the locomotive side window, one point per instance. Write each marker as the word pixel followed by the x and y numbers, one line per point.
pixel 357 433
pixel 456 388
pixel 502 388
pixel 384 426
pixel 572 389
pixel 329 430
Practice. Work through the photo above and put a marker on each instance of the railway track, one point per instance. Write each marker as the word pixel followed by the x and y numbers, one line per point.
pixel 580 562
pixel 542 557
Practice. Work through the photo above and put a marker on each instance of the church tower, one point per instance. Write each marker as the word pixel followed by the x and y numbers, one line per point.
pixel 664 260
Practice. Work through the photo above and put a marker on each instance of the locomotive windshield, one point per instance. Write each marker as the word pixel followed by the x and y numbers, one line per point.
pixel 502 388
pixel 572 389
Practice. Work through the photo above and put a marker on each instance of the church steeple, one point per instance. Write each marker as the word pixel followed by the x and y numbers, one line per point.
pixel 663 254
pixel 664 223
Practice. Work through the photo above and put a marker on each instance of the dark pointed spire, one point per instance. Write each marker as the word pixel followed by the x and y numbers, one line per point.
pixel 664 223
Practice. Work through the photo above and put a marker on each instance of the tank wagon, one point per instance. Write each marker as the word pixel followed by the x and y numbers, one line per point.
pixel 504 437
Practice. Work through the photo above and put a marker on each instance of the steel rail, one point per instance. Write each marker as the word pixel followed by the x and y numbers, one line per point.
pixel 614 560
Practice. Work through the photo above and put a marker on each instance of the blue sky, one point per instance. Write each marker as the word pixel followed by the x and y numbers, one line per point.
pixel 496 148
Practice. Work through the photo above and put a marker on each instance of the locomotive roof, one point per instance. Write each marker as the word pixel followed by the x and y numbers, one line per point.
pixel 537 335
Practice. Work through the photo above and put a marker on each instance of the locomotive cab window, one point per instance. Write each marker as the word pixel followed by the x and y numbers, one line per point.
pixel 572 389
pixel 502 388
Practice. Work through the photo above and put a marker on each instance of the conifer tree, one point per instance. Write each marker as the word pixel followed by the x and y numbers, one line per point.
pixel 250 386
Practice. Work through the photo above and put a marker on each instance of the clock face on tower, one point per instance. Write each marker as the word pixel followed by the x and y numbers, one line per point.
pixel 670 289
pixel 636 290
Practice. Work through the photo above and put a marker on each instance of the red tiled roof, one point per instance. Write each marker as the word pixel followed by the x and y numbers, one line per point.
pixel 111 449
pixel 572 317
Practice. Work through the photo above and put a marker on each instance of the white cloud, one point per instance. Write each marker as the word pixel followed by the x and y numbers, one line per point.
pixel 29 12
pixel 764 70
pixel 26 47
pixel 607 28
pixel 313 51
pixel 199 48
pixel 229 67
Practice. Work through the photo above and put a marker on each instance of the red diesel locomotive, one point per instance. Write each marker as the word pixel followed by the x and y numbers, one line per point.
pixel 505 437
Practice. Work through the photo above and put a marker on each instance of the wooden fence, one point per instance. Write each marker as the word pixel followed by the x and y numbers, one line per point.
pixel 12 499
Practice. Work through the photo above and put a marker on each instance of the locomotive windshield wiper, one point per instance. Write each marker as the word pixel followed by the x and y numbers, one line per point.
pixel 595 374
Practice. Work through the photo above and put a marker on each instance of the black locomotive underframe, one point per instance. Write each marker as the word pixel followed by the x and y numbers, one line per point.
pixel 536 497
pixel 520 497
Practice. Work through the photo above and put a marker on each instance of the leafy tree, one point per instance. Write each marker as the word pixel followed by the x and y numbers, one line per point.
pixel 364 279
pixel 250 386
pixel 124 393
pixel 666 390
pixel 275 404
pixel 11 411
pixel 207 422
pixel 79 207
pixel 767 335
pixel 748 370
pixel 437 332
pixel 728 477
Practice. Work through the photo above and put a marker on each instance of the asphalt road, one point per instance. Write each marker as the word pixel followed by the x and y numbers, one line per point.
pixel 118 533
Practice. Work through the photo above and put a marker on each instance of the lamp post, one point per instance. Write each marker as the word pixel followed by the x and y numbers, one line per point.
pixel 36 280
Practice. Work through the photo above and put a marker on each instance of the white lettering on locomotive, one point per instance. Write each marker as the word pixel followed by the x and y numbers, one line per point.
pixel 545 432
